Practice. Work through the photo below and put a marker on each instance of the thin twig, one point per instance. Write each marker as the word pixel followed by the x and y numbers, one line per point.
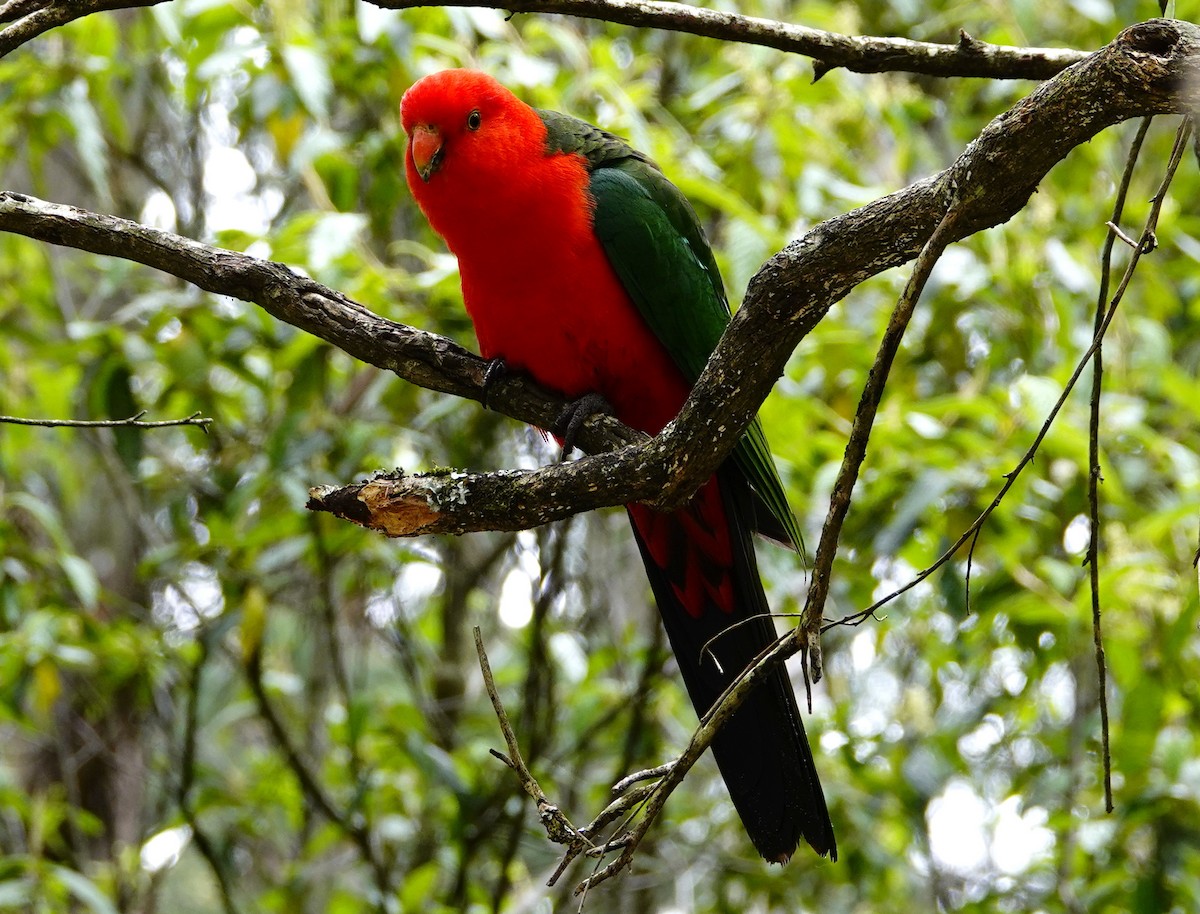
pixel 622 806
pixel 629 780
pixel 856 444
pixel 558 827
pixel 134 421
pixel 656 794
pixel 537 717
pixel 1094 477
pixel 1116 230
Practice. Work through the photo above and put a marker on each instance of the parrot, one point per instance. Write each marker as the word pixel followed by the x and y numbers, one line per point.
pixel 585 268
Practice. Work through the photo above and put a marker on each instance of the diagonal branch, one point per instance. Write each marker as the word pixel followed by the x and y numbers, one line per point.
pixel 1153 67
pixel 425 359
pixel 829 50
pixel 856 445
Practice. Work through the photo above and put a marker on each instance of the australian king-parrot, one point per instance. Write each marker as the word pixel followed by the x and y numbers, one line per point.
pixel 583 266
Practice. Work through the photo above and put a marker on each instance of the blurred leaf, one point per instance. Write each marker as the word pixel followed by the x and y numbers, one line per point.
pixel 83 580
pixel 85 891
pixel 89 137
pixel 47 686
pixel 310 77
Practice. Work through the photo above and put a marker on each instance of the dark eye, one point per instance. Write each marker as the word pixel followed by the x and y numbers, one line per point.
pixel 474 119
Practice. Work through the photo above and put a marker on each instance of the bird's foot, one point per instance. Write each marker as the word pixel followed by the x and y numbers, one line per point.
pixel 570 420
pixel 496 371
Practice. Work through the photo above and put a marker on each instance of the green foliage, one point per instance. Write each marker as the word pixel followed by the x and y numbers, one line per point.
pixel 168 608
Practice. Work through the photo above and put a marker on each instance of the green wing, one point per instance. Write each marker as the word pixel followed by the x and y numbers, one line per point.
pixel 654 242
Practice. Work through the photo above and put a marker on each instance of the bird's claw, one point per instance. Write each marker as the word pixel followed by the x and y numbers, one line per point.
pixel 496 371
pixel 570 421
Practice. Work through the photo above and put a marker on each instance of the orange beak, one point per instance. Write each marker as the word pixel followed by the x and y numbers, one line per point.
pixel 426 148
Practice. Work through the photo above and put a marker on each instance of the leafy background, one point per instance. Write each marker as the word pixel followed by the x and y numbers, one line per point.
pixel 178 635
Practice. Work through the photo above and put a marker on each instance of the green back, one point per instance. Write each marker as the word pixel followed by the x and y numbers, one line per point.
pixel 655 244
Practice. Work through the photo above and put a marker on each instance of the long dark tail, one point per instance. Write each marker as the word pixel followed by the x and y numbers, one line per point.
pixel 702 569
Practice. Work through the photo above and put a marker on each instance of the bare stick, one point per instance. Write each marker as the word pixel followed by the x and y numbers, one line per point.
pixel 1094 477
pixel 829 50
pixel 856 445
pixel 558 827
pixel 134 421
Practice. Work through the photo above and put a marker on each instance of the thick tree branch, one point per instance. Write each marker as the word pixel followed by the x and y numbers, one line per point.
pixel 18 9
pixel 425 359
pixel 31 18
pixel 1150 68
pixel 401 504
pixel 829 50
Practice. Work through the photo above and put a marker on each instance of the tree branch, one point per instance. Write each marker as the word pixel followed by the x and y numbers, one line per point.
pixel 829 50
pixel 672 774
pixel 18 9
pixel 31 18
pixel 1092 558
pixel 558 827
pixel 134 421
pixel 1149 68
pixel 856 445
pixel 424 359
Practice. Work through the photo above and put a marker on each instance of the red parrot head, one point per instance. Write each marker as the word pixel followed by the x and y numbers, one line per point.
pixel 471 145
pixel 479 166
pixel 464 123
